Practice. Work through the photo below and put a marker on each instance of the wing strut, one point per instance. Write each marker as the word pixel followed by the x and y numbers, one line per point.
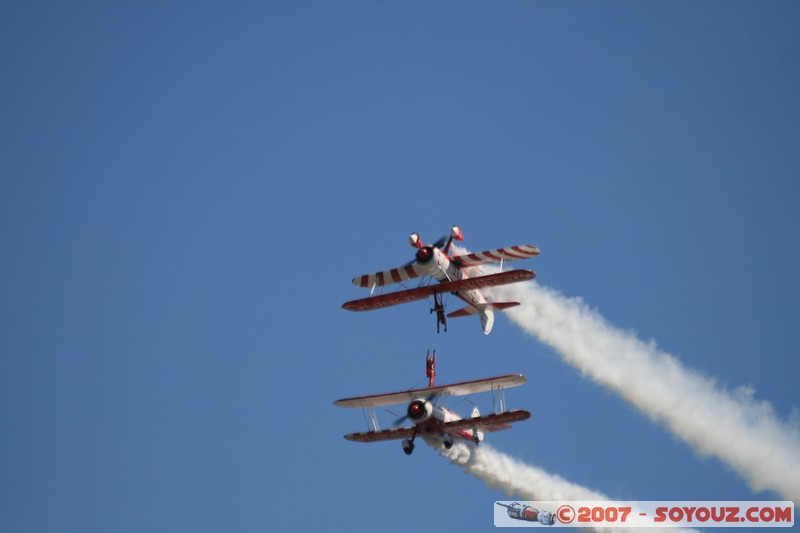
pixel 370 418
pixel 498 399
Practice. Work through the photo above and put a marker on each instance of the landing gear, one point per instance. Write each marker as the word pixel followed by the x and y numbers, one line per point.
pixel 408 444
pixel 438 308
pixel 447 441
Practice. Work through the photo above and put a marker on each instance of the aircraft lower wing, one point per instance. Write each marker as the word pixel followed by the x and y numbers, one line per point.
pixel 456 389
pixel 511 253
pixel 487 423
pixel 386 434
pixel 492 422
pixel 420 293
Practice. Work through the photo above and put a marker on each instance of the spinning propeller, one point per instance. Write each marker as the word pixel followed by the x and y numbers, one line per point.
pixel 416 409
pixel 425 252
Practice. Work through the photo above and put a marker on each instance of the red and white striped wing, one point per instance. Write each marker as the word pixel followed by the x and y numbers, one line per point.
pixel 387 277
pixel 510 253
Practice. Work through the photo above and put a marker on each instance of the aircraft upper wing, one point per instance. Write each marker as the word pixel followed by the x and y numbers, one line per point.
pixel 492 422
pixel 386 434
pixel 509 253
pixel 455 389
pixel 387 277
pixel 420 293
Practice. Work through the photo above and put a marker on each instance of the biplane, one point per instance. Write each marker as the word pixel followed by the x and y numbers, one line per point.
pixel 433 262
pixel 432 421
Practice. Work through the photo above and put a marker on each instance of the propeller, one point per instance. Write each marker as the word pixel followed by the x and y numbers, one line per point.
pixel 441 242
pixel 405 417
pixel 416 242
pixel 397 423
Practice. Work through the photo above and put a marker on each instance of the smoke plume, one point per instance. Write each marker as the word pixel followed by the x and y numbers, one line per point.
pixel 519 480
pixel 741 431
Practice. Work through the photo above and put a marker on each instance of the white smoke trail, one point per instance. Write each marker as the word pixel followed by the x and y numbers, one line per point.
pixel 519 480
pixel 516 479
pixel 741 431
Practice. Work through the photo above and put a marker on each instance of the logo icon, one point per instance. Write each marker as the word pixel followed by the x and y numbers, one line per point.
pixel 565 514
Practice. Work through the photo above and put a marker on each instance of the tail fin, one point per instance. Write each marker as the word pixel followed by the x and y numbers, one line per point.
pixel 487 320
pixel 472 310
pixel 476 433
pixel 500 306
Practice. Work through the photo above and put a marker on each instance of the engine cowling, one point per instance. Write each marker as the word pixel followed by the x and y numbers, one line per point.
pixel 424 255
pixel 419 410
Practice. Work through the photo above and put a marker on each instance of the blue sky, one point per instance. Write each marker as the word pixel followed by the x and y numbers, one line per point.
pixel 188 188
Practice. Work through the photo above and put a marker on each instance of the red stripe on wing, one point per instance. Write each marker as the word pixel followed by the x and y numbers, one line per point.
pixel 395 273
pixel 385 277
pixel 510 253
pixel 527 250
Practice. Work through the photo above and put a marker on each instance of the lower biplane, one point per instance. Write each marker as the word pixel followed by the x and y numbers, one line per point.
pixel 432 421
pixel 433 262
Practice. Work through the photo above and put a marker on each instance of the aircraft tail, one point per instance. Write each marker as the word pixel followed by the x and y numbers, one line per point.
pixel 476 433
pixel 472 310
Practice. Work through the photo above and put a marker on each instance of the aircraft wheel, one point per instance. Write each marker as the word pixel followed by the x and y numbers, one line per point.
pixel 408 447
pixel 448 444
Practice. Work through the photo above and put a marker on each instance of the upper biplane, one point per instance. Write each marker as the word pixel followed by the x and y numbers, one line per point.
pixel 432 421
pixel 433 262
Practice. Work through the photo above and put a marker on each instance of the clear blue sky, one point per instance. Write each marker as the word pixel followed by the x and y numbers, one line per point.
pixel 187 188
